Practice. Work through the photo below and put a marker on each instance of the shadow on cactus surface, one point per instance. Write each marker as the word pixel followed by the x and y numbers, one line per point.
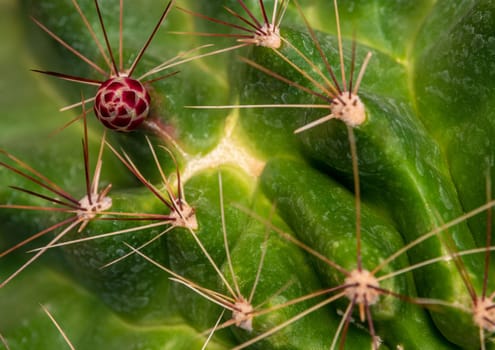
pixel 309 206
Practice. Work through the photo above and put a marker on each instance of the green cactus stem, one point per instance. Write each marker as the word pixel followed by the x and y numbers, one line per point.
pixel 236 220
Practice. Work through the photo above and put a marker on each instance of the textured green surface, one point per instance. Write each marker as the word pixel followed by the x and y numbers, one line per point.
pixel 423 154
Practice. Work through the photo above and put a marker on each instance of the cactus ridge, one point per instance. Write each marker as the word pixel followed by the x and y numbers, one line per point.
pixel 291 219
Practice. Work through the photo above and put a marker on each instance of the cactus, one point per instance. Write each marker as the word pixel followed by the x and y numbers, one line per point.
pixel 223 228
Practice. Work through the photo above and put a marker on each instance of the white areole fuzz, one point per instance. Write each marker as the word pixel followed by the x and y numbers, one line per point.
pixel 271 39
pixel 90 208
pixel 348 107
pixel 361 288
pixel 484 314
pixel 242 314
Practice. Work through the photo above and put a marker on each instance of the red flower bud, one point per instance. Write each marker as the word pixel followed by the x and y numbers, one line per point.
pixel 122 103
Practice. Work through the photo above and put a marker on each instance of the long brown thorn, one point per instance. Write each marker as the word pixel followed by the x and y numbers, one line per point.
pixel 150 38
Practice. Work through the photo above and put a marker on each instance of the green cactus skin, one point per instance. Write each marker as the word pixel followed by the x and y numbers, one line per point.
pixel 423 181
pixel 424 155
pixel 334 236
